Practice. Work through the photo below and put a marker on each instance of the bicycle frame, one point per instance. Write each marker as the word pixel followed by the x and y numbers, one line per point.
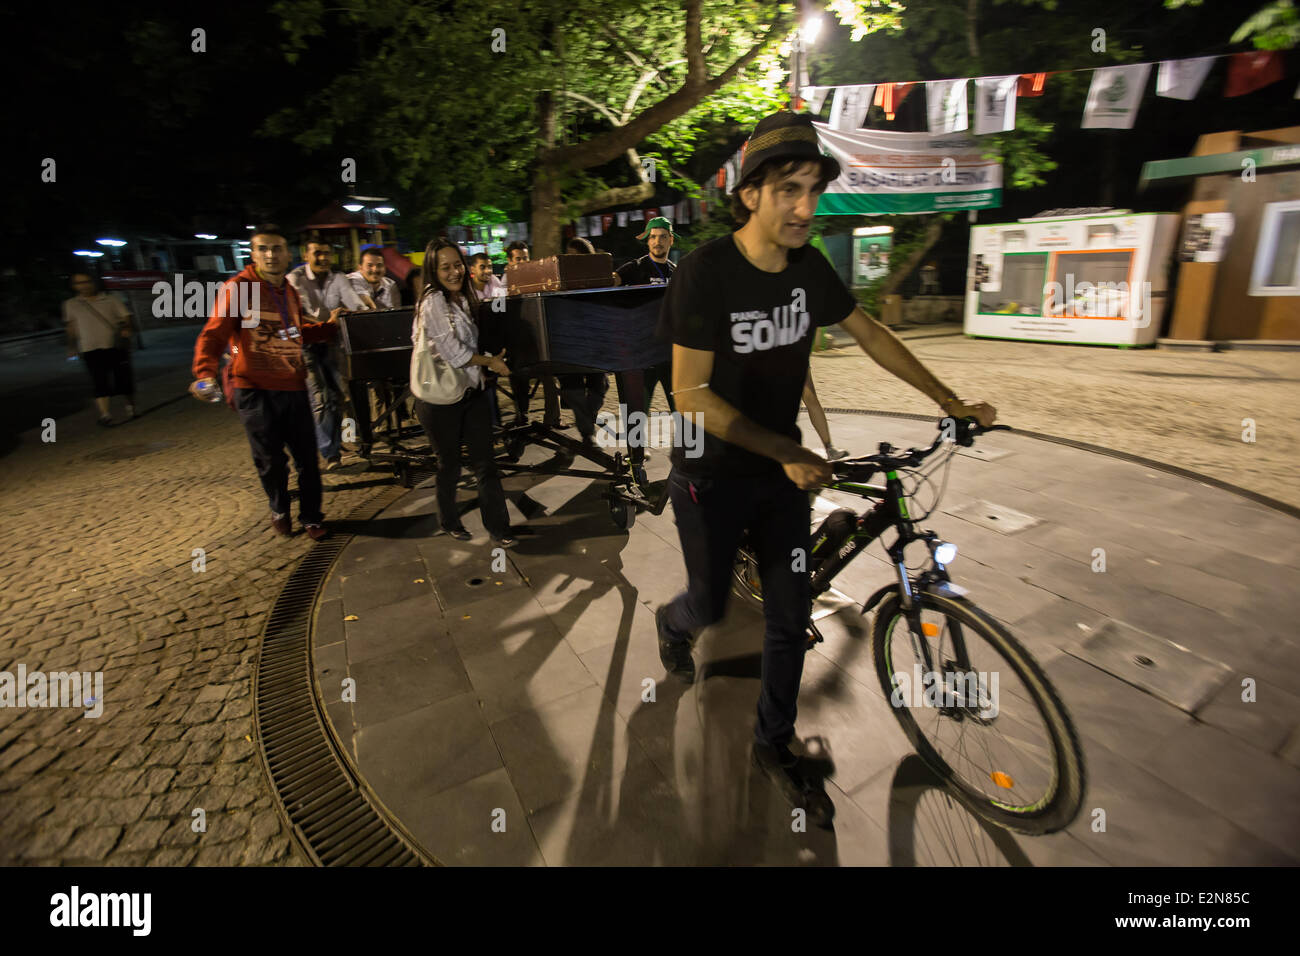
pixel 891 511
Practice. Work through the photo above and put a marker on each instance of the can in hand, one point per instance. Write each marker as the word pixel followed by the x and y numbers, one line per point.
pixel 208 391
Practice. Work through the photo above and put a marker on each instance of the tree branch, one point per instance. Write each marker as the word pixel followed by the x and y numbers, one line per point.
pixel 599 108
pixel 619 196
pixel 606 146
pixel 696 72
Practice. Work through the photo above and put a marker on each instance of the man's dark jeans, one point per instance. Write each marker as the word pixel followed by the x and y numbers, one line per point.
pixel 636 389
pixel 275 420
pixel 711 515
pixel 468 421
pixel 325 390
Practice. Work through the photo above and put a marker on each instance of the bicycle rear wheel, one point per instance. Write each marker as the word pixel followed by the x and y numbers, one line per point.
pixel 988 722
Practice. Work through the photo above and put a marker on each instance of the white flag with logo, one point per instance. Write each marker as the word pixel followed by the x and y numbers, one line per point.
pixel 582 226
pixel 622 219
pixel 995 104
pixel 1182 79
pixel 945 100
pixel 1114 96
pixel 595 228
pixel 815 96
pixel 850 105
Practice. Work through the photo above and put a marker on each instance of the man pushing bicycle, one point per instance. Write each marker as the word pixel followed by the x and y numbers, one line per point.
pixel 741 312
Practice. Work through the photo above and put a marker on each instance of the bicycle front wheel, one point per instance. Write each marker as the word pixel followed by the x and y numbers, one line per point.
pixel 980 711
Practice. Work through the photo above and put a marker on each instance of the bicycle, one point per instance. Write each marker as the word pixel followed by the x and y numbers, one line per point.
pixel 945 636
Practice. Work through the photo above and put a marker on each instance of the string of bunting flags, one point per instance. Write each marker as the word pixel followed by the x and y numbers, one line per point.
pixel 1112 102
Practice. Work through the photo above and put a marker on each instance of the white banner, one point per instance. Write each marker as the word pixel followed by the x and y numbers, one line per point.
pixel 1182 79
pixel 1114 96
pixel 886 172
pixel 849 108
pixel 995 104
pixel 945 101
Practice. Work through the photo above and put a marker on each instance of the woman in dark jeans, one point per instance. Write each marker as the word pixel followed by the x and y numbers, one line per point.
pixel 448 308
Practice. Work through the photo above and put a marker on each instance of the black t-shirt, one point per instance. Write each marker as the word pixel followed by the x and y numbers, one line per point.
pixel 645 271
pixel 760 327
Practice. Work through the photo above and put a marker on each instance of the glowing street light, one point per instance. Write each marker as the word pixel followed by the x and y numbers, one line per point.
pixel 88 253
pixel 353 206
pixel 115 243
pixel 204 235
pixel 383 210
pixel 811 27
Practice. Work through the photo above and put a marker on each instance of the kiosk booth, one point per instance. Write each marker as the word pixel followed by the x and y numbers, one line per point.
pixel 1092 280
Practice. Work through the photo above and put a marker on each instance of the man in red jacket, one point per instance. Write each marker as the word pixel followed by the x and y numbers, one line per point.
pixel 257 316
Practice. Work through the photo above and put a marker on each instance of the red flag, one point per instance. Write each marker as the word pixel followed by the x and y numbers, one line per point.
pixel 1248 72
pixel 1031 84
pixel 606 221
pixel 651 213
pixel 889 96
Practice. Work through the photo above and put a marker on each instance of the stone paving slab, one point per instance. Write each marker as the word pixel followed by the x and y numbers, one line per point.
pixel 610 762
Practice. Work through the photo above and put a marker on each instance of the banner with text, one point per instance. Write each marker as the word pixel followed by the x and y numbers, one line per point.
pixel 883 172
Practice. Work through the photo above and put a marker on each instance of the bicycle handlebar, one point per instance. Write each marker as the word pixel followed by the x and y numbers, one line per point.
pixel 861 469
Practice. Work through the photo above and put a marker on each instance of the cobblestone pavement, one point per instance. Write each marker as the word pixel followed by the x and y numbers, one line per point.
pixel 99 531
pixel 97 538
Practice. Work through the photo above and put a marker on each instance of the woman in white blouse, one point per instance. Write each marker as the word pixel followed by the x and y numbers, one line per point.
pixel 448 308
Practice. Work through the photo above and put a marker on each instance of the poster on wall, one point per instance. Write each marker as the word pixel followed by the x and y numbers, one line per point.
pixel 1205 236
pixel 870 258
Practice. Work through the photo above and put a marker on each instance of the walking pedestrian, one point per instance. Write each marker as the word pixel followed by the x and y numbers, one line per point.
pixel 448 311
pixel 742 311
pixel 99 327
pixel 259 318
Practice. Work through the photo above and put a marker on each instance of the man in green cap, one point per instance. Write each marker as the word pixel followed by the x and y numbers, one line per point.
pixel 636 389
pixel 742 312
pixel 652 269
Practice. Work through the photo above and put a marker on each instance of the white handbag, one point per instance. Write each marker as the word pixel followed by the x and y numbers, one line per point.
pixel 433 379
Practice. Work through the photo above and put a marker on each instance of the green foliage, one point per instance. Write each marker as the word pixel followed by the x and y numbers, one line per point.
pixel 1275 26
pixel 440 121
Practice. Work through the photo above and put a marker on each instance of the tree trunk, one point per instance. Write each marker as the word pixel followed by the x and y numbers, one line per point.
pixel 901 271
pixel 546 185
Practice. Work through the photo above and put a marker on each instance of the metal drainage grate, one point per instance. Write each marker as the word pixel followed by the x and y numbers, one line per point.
pixel 328 809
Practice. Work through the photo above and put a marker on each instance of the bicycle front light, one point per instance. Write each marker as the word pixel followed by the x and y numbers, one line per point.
pixel 944 553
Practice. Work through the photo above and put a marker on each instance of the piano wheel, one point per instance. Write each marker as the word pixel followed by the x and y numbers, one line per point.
pixel 622 513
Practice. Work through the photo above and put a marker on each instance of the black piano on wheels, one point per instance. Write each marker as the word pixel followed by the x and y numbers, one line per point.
pixel 591 330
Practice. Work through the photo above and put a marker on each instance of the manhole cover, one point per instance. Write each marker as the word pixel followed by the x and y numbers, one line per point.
pixel 127 452
pixel 995 517
pixel 1161 668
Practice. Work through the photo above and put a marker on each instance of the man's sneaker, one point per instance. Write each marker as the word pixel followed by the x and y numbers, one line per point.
pixel 674 652
pixel 280 524
pixel 130 411
pixel 505 542
pixel 315 531
pixel 835 454
pixel 460 534
pixel 332 464
pixel 782 767
pixel 105 420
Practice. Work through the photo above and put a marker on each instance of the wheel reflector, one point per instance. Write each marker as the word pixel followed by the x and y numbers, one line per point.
pixel 929 629
pixel 1002 780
